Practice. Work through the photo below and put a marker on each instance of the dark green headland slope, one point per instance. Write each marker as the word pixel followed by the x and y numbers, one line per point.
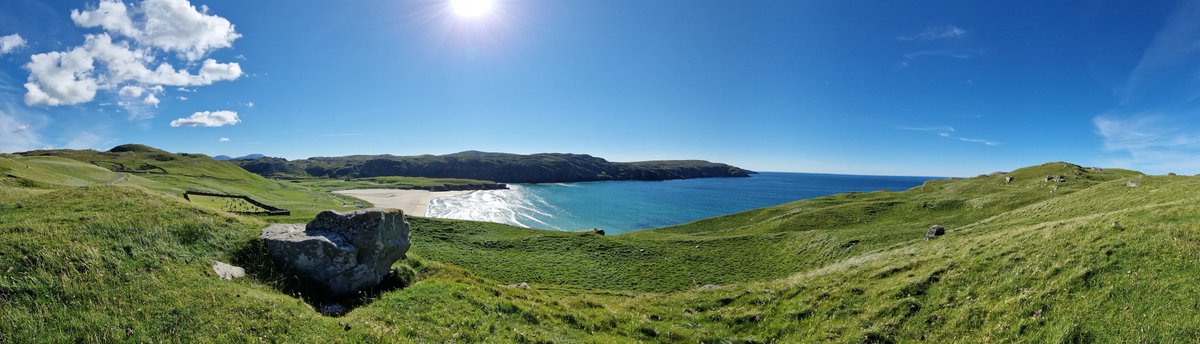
pixel 500 167
pixel 1106 255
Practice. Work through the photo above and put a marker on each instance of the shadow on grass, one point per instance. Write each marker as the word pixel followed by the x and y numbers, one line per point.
pixel 257 260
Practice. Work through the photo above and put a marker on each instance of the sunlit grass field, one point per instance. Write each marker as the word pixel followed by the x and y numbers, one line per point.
pixel 1087 260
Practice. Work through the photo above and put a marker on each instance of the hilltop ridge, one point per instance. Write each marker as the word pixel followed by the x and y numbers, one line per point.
pixel 499 167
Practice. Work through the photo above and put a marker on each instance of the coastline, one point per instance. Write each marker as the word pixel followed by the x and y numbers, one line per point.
pixel 412 202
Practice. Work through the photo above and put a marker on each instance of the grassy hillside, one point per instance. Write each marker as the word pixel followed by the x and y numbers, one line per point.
pixel 169 173
pixel 1030 261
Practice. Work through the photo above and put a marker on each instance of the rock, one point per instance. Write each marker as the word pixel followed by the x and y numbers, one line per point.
pixel 1008 179
pixel 342 252
pixel 521 285
pixel 1116 225
pixel 709 287
pixel 1049 178
pixel 596 231
pixel 227 272
pixel 1133 184
pixel 935 231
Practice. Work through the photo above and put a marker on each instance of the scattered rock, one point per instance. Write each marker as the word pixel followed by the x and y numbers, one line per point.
pixel 227 272
pixel 851 243
pixel 342 252
pixel 1008 179
pixel 935 231
pixel 596 231
pixel 1061 179
pixel 1133 184
pixel 521 285
pixel 1116 225
pixel 709 287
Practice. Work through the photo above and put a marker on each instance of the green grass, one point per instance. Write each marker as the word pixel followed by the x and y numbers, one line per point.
pixel 1031 261
pixel 186 172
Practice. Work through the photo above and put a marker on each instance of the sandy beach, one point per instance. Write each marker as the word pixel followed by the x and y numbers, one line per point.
pixel 412 202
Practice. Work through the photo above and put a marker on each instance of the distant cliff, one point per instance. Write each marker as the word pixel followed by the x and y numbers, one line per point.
pixel 500 167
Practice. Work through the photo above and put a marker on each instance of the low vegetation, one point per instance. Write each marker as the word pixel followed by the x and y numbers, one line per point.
pixel 1090 259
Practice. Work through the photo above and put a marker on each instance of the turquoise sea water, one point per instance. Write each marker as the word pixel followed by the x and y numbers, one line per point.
pixel 624 206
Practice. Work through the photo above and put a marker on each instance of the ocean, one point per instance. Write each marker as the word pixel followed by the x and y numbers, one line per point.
pixel 623 206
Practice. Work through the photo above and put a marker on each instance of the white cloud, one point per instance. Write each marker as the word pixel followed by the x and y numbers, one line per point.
pixel 151 100
pixel 132 91
pixel 11 43
pixel 933 33
pixel 250 104
pixel 208 119
pixel 60 78
pixel 223 139
pixel 183 98
pixel 169 25
pixel 151 27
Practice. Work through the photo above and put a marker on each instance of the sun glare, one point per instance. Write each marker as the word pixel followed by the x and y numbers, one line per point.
pixel 471 8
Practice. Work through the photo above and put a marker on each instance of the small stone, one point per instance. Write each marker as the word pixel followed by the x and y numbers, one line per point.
pixel 1133 184
pixel 521 285
pixel 1116 224
pixel 227 272
pixel 935 231
pixel 709 287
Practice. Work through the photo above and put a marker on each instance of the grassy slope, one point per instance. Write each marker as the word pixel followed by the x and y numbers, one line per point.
pixel 1032 261
pixel 188 172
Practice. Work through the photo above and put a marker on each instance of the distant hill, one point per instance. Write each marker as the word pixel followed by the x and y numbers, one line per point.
pixel 244 157
pixel 500 167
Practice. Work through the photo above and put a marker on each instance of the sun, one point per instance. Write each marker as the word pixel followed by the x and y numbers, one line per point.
pixel 472 8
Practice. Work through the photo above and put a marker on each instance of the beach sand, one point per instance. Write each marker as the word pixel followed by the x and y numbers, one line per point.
pixel 412 202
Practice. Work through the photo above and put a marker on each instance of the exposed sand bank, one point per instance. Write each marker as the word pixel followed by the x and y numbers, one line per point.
pixel 412 202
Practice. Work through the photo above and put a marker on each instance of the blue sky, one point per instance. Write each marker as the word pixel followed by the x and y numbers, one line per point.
pixel 870 87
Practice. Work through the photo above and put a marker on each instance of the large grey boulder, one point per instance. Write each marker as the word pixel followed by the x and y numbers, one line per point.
pixel 343 252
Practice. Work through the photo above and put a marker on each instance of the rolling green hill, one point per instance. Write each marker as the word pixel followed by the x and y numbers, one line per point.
pixel 500 167
pixel 1091 259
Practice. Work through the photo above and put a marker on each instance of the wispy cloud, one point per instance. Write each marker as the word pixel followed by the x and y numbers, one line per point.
pixel 934 33
pixel 1177 43
pixel 17 128
pixel 1150 141
pixel 952 53
pixel 942 41
pixel 223 139
pixel 948 132
pixel 1161 134
pixel 942 128
pixel 983 141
